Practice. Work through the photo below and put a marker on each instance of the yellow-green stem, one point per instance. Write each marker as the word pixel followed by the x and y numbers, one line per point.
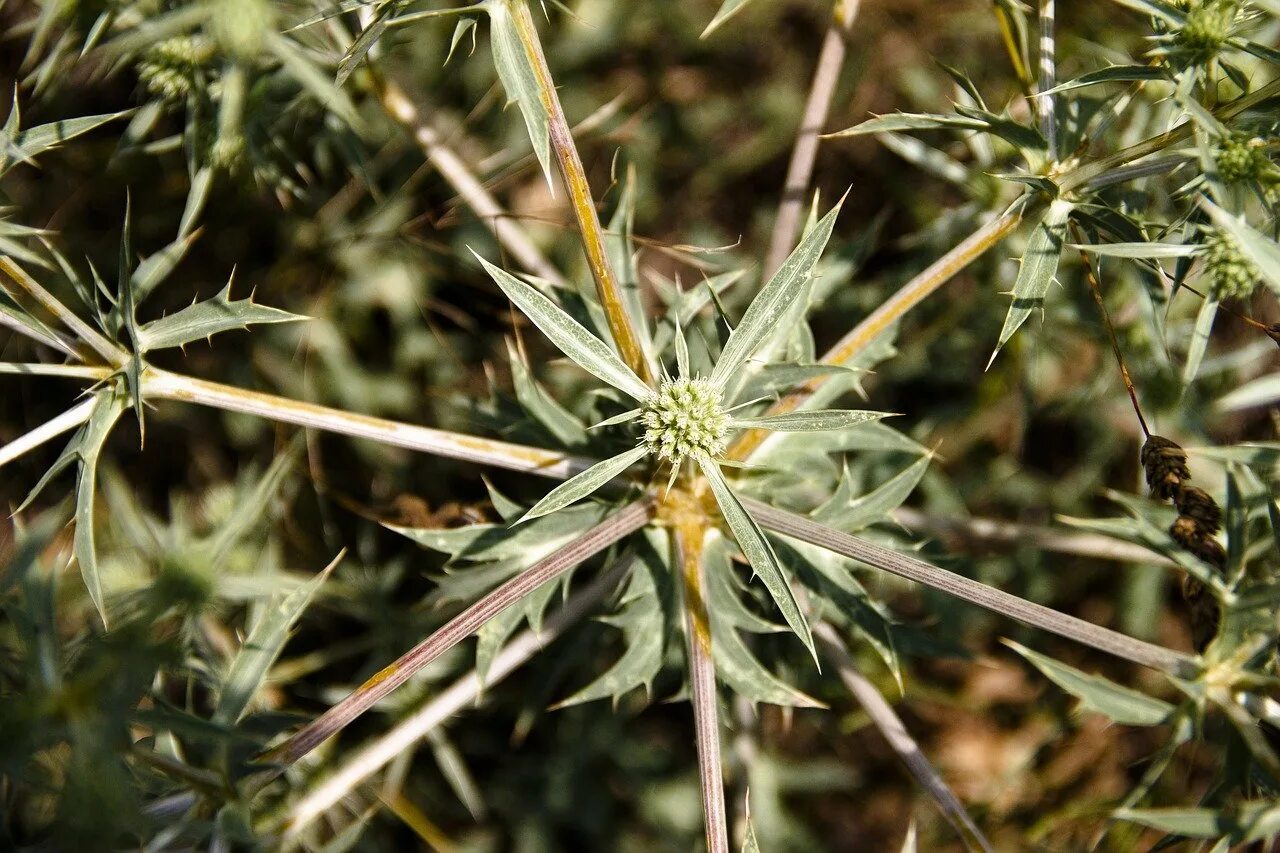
pixel 584 209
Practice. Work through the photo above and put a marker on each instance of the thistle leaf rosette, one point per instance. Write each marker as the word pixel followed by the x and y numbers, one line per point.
pixel 691 417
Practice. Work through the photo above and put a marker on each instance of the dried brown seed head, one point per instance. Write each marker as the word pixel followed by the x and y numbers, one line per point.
pixel 1200 505
pixel 1166 466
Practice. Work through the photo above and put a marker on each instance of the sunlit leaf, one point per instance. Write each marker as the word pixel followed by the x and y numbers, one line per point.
pixel 1119 704
pixel 759 553
pixel 591 353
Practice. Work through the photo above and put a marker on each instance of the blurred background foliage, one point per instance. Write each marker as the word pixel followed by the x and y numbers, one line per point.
pixel 347 226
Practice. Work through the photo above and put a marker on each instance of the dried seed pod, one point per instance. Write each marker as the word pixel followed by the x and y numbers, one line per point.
pixel 1198 504
pixel 1195 539
pixel 1166 466
pixel 1210 551
pixel 1202 611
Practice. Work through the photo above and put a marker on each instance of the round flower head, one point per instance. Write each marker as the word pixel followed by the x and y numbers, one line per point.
pixel 171 68
pixel 1207 29
pixel 684 418
pixel 1240 159
pixel 1230 273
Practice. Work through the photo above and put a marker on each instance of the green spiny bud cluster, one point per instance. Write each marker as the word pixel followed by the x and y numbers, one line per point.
pixel 1240 158
pixel 1207 28
pixel 1230 273
pixel 683 418
pixel 171 68
pixel 241 26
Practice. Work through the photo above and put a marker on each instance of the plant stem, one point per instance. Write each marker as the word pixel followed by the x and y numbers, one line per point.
pixel 616 527
pixel 689 533
pixel 584 208
pixel 160 384
pixel 1048 79
pixel 786 227
pixel 1096 289
pixel 908 296
pixel 891 726
pixel 511 236
pixel 70 419
pixel 466 690
pixel 109 352
pixel 998 601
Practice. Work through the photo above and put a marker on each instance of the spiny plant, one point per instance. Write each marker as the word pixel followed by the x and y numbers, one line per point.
pixel 713 426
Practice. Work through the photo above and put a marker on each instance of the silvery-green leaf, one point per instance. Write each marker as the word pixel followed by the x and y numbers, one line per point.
pixel 894 122
pixel 460 29
pixel 520 80
pixel 625 417
pixel 27 144
pixel 1257 247
pixel 1248 821
pixel 821 420
pixel 1120 704
pixel 758 551
pixel 1263 391
pixel 1113 74
pixel 1137 250
pixel 302 69
pixel 1199 340
pixel 1036 270
pixel 591 353
pixel 736 666
pixel 644 628
pixel 196 198
pixel 727 10
pixel 261 648
pixel 494 634
pixel 856 513
pixel 581 485
pixel 111 405
pixel 559 421
pixel 500 541
pixel 208 318
pixel 780 377
pixel 772 302
pixel 156 268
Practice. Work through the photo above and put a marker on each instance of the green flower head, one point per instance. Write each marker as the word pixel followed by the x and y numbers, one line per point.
pixel 1229 271
pixel 684 417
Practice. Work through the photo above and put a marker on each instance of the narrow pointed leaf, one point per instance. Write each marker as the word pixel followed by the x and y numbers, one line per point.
pixel 1038 267
pixel 823 419
pixel 580 486
pixel 261 648
pixel 727 10
pixel 519 80
pixel 759 553
pixel 591 353
pixel 1249 821
pixel 205 319
pixel 111 406
pixel 772 302
pixel 1120 704
pixel 27 144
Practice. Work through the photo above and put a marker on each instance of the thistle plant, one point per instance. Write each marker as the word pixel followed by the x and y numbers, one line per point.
pixel 697 440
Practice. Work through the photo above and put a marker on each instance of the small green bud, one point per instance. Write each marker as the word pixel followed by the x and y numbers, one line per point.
pixel 1229 271
pixel 241 26
pixel 1240 158
pixel 171 68
pixel 683 418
